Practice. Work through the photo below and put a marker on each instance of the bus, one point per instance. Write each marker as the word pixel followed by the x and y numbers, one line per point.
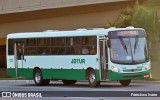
pixel 94 55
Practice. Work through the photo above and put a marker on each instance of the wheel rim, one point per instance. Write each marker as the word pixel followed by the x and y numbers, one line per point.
pixel 38 77
pixel 92 78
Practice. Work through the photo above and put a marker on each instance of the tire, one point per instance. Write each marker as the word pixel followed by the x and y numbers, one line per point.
pixel 69 82
pixel 125 82
pixel 38 78
pixel 92 79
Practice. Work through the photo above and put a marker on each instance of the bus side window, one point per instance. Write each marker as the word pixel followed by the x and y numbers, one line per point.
pixel 31 47
pixel 61 50
pixel 31 42
pixel 19 51
pixel 93 50
pixel 77 50
pixel 58 41
pixel 43 50
pixel 10 47
pixel 43 42
pixel 70 50
pixel 84 40
pixel 31 51
pixel 85 50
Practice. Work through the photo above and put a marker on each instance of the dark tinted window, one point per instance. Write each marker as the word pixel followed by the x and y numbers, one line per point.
pixel 62 46
pixel 43 42
pixel 10 47
pixel 31 42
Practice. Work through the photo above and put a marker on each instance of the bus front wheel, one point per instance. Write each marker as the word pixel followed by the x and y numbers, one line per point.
pixel 125 82
pixel 38 78
pixel 92 79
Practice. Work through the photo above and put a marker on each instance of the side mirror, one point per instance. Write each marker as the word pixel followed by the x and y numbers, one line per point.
pixel 109 43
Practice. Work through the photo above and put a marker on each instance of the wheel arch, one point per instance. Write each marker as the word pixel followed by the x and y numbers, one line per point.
pixel 36 68
pixel 87 71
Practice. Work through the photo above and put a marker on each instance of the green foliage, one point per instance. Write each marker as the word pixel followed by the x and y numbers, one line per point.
pixel 152 3
pixel 139 16
pixel 124 19
pixel 142 17
pixel 147 19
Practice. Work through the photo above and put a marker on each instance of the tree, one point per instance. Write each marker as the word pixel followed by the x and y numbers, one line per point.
pixel 124 19
pixel 147 19
pixel 139 16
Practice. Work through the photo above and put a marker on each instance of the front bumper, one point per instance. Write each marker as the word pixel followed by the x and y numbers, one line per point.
pixel 127 76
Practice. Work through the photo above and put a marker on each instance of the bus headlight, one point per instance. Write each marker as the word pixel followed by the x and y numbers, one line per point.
pixel 148 67
pixel 114 68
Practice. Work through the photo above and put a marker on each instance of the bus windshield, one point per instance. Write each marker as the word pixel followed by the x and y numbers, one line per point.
pixel 129 49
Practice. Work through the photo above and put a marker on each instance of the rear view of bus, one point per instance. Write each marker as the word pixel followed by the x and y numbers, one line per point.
pixel 129 57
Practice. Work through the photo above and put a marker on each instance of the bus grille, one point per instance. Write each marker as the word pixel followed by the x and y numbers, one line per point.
pixel 132 70
pixel 133 76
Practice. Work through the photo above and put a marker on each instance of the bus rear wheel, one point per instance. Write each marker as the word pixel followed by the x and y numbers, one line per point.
pixel 69 82
pixel 92 79
pixel 125 82
pixel 38 78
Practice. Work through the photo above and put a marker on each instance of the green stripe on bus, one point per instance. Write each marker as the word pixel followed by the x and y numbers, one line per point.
pixel 26 73
pixel 68 74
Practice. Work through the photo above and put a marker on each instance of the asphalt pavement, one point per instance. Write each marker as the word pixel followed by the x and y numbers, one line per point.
pixel 21 89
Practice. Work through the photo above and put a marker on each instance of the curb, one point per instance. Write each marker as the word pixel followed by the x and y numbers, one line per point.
pixel 144 81
pixel 16 80
pixel 133 81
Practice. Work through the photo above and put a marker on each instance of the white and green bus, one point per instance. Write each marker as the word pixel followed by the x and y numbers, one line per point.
pixel 96 55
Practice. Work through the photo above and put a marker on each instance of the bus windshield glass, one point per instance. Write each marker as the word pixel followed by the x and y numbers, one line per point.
pixel 128 47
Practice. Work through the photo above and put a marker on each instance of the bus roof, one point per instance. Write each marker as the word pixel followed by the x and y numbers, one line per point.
pixel 72 33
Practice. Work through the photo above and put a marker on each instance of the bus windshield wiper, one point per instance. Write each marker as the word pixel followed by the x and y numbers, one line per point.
pixel 123 44
pixel 136 42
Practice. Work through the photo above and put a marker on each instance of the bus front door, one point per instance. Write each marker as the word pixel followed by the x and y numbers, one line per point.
pixel 19 58
pixel 103 59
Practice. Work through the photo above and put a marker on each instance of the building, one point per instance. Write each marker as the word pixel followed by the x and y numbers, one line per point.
pixel 41 15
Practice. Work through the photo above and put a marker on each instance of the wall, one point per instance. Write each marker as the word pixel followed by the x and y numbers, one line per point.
pixel 97 19
pixel 12 6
